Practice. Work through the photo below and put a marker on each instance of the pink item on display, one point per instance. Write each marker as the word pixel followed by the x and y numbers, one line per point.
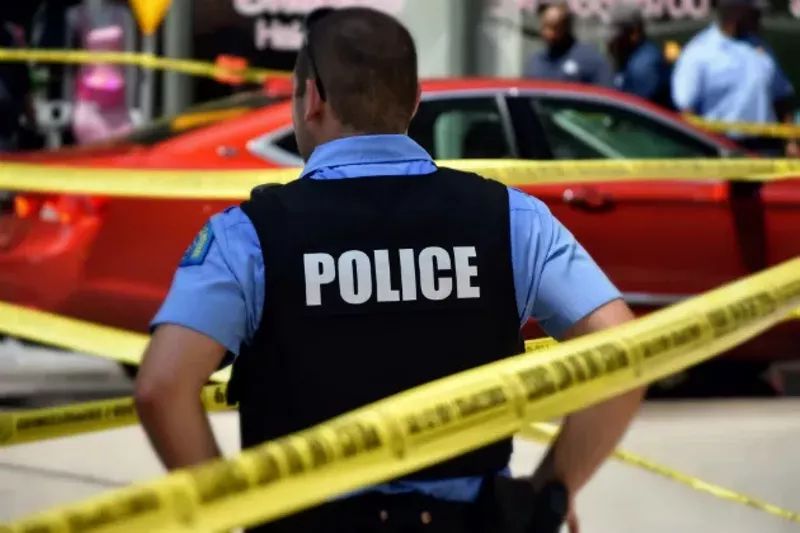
pixel 100 108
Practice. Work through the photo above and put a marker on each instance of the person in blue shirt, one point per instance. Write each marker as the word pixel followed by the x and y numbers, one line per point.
pixel 640 66
pixel 374 272
pixel 563 57
pixel 728 73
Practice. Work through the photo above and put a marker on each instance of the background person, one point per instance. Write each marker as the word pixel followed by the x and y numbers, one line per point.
pixel 16 94
pixel 727 73
pixel 329 260
pixel 639 64
pixel 564 58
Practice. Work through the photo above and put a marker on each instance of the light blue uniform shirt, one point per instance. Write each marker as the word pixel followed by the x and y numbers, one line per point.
pixel 733 80
pixel 219 289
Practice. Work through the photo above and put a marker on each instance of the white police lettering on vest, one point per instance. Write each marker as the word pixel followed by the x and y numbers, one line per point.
pixel 363 276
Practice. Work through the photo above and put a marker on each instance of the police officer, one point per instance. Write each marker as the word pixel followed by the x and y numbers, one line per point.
pixel 563 57
pixel 639 64
pixel 375 272
pixel 728 73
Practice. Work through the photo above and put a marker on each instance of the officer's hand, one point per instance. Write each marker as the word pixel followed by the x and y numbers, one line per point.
pixel 793 148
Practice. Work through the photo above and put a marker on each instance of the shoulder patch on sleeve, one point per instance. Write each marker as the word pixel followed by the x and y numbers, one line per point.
pixel 198 250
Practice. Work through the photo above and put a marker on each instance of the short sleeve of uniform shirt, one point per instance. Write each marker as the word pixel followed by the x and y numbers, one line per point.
pixel 556 280
pixel 219 288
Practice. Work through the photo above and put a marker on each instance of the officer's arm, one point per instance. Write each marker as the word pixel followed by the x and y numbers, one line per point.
pixel 588 437
pixel 176 366
pixel 783 95
pixel 208 313
pixel 645 76
pixel 560 285
pixel 687 81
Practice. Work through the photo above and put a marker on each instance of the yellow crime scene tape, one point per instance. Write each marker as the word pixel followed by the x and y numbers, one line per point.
pixel 436 421
pixel 85 337
pixel 254 75
pixel 42 424
pixel 114 344
pixel 543 433
pixel 237 184
pixel 21 427
pixel 149 61
pixel 780 131
pixel 26 426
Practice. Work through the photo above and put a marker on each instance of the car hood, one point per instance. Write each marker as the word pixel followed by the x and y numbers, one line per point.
pixel 102 154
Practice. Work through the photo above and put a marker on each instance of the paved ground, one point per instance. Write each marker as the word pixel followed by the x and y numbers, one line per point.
pixel 747 446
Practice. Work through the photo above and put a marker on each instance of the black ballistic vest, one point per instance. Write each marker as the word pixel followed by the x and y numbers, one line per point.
pixel 356 307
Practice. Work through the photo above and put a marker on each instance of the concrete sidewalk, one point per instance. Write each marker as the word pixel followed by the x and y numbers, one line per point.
pixel 745 446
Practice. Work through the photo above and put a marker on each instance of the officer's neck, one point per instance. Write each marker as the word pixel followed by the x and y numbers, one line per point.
pixel 731 29
pixel 561 47
pixel 629 50
pixel 345 132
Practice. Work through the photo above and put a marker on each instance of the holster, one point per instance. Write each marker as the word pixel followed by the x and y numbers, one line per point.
pixel 513 505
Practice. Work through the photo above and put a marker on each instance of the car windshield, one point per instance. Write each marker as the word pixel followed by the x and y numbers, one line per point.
pixel 199 116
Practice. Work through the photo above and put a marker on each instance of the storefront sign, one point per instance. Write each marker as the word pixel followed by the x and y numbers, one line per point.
pixel 653 9
pixel 278 23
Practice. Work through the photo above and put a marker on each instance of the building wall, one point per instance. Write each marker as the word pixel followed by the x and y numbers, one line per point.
pixel 508 29
pixel 455 37
pixel 268 32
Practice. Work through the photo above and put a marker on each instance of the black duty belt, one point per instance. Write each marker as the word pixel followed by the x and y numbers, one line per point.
pixel 505 505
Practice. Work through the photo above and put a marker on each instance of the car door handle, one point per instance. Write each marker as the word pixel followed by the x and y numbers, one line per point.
pixel 589 199
pixel 227 151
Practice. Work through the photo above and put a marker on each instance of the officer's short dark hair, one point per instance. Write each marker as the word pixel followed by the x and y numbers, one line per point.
pixel 731 10
pixel 561 5
pixel 367 63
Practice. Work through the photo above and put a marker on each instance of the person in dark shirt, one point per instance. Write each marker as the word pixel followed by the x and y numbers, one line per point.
pixel 15 91
pixel 728 73
pixel 640 67
pixel 564 58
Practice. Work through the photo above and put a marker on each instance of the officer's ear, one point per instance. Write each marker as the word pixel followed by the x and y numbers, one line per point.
pixel 419 97
pixel 313 102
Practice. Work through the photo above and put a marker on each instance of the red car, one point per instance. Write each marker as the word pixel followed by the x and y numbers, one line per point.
pixel 111 260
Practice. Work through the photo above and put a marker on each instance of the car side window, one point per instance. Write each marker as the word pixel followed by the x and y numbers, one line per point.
pixel 577 129
pixel 288 143
pixel 452 128
pixel 277 147
pixel 461 128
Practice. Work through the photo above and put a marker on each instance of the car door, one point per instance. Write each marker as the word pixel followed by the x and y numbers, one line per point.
pixel 658 241
pixel 780 202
